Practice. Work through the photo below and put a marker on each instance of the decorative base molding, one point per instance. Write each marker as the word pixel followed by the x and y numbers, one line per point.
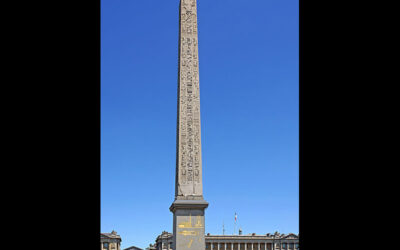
pixel 188 204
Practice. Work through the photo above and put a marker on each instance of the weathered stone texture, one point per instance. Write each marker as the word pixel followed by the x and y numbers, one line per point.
pixel 188 163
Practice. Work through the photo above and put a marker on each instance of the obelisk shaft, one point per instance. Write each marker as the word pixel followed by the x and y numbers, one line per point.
pixel 188 162
pixel 189 205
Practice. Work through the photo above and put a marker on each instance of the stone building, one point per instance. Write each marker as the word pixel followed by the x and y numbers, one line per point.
pixel 164 241
pixel 151 247
pixel 110 241
pixel 239 242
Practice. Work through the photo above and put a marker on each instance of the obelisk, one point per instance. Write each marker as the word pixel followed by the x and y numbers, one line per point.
pixel 189 204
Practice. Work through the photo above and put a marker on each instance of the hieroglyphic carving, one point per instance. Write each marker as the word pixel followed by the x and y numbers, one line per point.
pixel 189 143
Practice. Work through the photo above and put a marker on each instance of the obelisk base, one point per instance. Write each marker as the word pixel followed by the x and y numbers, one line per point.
pixel 188 231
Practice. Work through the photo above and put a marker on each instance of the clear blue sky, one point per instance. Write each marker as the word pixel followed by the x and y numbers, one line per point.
pixel 248 52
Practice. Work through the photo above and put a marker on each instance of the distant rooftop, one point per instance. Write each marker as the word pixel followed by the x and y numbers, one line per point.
pixel 112 235
pixel 133 248
pixel 275 235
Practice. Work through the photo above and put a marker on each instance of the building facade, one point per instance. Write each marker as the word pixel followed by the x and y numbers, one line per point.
pixel 110 241
pixel 253 241
pixel 164 241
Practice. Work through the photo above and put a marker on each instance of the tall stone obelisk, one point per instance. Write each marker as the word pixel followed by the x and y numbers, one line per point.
pixel 189 205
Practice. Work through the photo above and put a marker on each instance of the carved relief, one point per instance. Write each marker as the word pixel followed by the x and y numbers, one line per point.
pixel 189 160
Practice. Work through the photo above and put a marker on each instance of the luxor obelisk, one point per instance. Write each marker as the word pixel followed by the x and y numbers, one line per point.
pixel 189 204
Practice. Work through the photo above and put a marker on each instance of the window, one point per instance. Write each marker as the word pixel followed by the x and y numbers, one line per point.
pixel 105 245
pixel 283 245
pixel 297 245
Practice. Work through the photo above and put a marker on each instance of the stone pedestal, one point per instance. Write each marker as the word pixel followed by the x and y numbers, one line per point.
pixel 188 224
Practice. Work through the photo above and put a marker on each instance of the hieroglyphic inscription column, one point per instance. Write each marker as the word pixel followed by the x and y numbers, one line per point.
pixel 188 162
pixel 189 205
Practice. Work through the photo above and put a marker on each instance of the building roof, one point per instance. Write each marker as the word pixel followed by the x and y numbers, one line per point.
pixel 254 236
pixel 164 235
pixel 112 235
pixel 133 248
pixel 276 235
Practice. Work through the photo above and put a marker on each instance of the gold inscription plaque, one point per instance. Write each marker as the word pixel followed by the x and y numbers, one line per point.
pixel 186 233
pixel 188 224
